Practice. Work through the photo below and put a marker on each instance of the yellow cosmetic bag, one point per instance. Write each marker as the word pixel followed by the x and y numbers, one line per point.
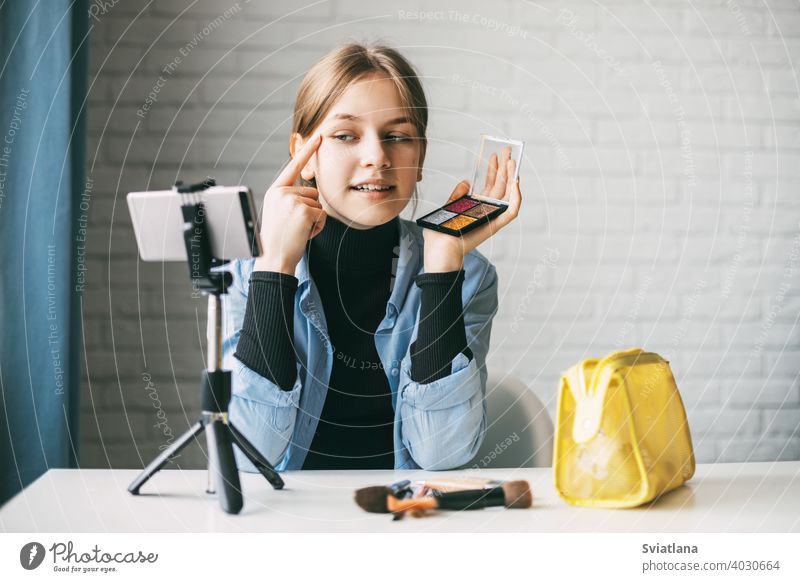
pixel 622 438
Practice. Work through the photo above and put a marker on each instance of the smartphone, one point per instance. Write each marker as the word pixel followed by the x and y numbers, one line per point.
pixel 230 215
pixel 467 213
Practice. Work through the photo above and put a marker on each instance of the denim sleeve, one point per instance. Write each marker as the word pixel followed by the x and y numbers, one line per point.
pixel 444 421
pixel 261 411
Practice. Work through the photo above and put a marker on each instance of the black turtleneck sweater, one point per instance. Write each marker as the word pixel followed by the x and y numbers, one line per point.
pixel 352 270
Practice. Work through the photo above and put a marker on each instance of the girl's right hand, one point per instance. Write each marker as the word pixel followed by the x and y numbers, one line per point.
pixel 291 216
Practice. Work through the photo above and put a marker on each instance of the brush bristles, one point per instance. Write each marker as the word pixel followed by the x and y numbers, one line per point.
pixel 518 494
pixel 373 499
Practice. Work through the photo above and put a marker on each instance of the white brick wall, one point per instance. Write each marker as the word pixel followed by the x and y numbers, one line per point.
pixel 662 169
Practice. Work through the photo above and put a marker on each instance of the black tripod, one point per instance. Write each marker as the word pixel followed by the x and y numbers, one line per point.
pixel 215 383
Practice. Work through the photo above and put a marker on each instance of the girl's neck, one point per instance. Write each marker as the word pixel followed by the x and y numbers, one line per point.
pixel 340 246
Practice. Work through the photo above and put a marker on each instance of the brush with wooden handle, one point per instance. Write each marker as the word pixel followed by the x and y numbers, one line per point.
pixel 512 494
pixel 458 484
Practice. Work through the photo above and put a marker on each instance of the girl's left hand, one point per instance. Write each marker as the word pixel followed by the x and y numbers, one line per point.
pixel 445 252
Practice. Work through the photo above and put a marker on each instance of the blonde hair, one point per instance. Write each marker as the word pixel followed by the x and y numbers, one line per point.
pixel 327 80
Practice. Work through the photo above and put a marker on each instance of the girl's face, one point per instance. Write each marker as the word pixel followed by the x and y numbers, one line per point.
pixel 370 157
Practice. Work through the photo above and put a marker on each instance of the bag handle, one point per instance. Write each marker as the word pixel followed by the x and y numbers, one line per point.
pixel 591 394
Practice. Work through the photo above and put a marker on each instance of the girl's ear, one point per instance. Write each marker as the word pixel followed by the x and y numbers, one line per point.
pixel 295 144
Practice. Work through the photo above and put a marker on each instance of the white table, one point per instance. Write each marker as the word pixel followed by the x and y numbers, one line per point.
pixel 737 497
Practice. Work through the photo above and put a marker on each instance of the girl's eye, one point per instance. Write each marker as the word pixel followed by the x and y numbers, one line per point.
pixel 346 138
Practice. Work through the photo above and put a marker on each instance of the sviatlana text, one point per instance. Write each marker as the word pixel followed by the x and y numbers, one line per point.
pixel 668 549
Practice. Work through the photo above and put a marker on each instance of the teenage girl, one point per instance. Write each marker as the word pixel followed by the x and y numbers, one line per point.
pixel 358 340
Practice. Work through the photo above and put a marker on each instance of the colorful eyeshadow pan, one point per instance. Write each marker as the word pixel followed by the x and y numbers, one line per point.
pixel 439 217
pixel 459 222
pixel 481 211
pixel 461 205
pixel 461 216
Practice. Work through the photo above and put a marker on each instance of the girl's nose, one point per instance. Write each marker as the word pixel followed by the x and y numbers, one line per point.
pixel 374 153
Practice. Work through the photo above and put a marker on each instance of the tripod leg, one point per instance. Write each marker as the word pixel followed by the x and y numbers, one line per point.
pixel 261 463
pixel 158 463
pixel 211 447
pixel 224 465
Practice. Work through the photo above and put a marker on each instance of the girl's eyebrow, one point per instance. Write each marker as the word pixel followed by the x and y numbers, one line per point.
pixel 351 117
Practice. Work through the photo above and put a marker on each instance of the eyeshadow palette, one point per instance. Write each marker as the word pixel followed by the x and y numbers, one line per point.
pixel 462 215
pixel 479 206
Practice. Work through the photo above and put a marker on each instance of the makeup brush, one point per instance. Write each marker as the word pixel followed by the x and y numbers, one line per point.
pixel 458 484
pixel 512 494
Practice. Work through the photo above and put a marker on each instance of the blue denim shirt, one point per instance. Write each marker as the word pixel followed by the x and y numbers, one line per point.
pixel 438 425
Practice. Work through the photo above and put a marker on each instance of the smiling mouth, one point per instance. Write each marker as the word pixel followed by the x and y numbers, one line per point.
pixel 372 188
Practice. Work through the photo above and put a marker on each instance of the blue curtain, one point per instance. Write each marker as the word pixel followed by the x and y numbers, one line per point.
pixel 43 76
